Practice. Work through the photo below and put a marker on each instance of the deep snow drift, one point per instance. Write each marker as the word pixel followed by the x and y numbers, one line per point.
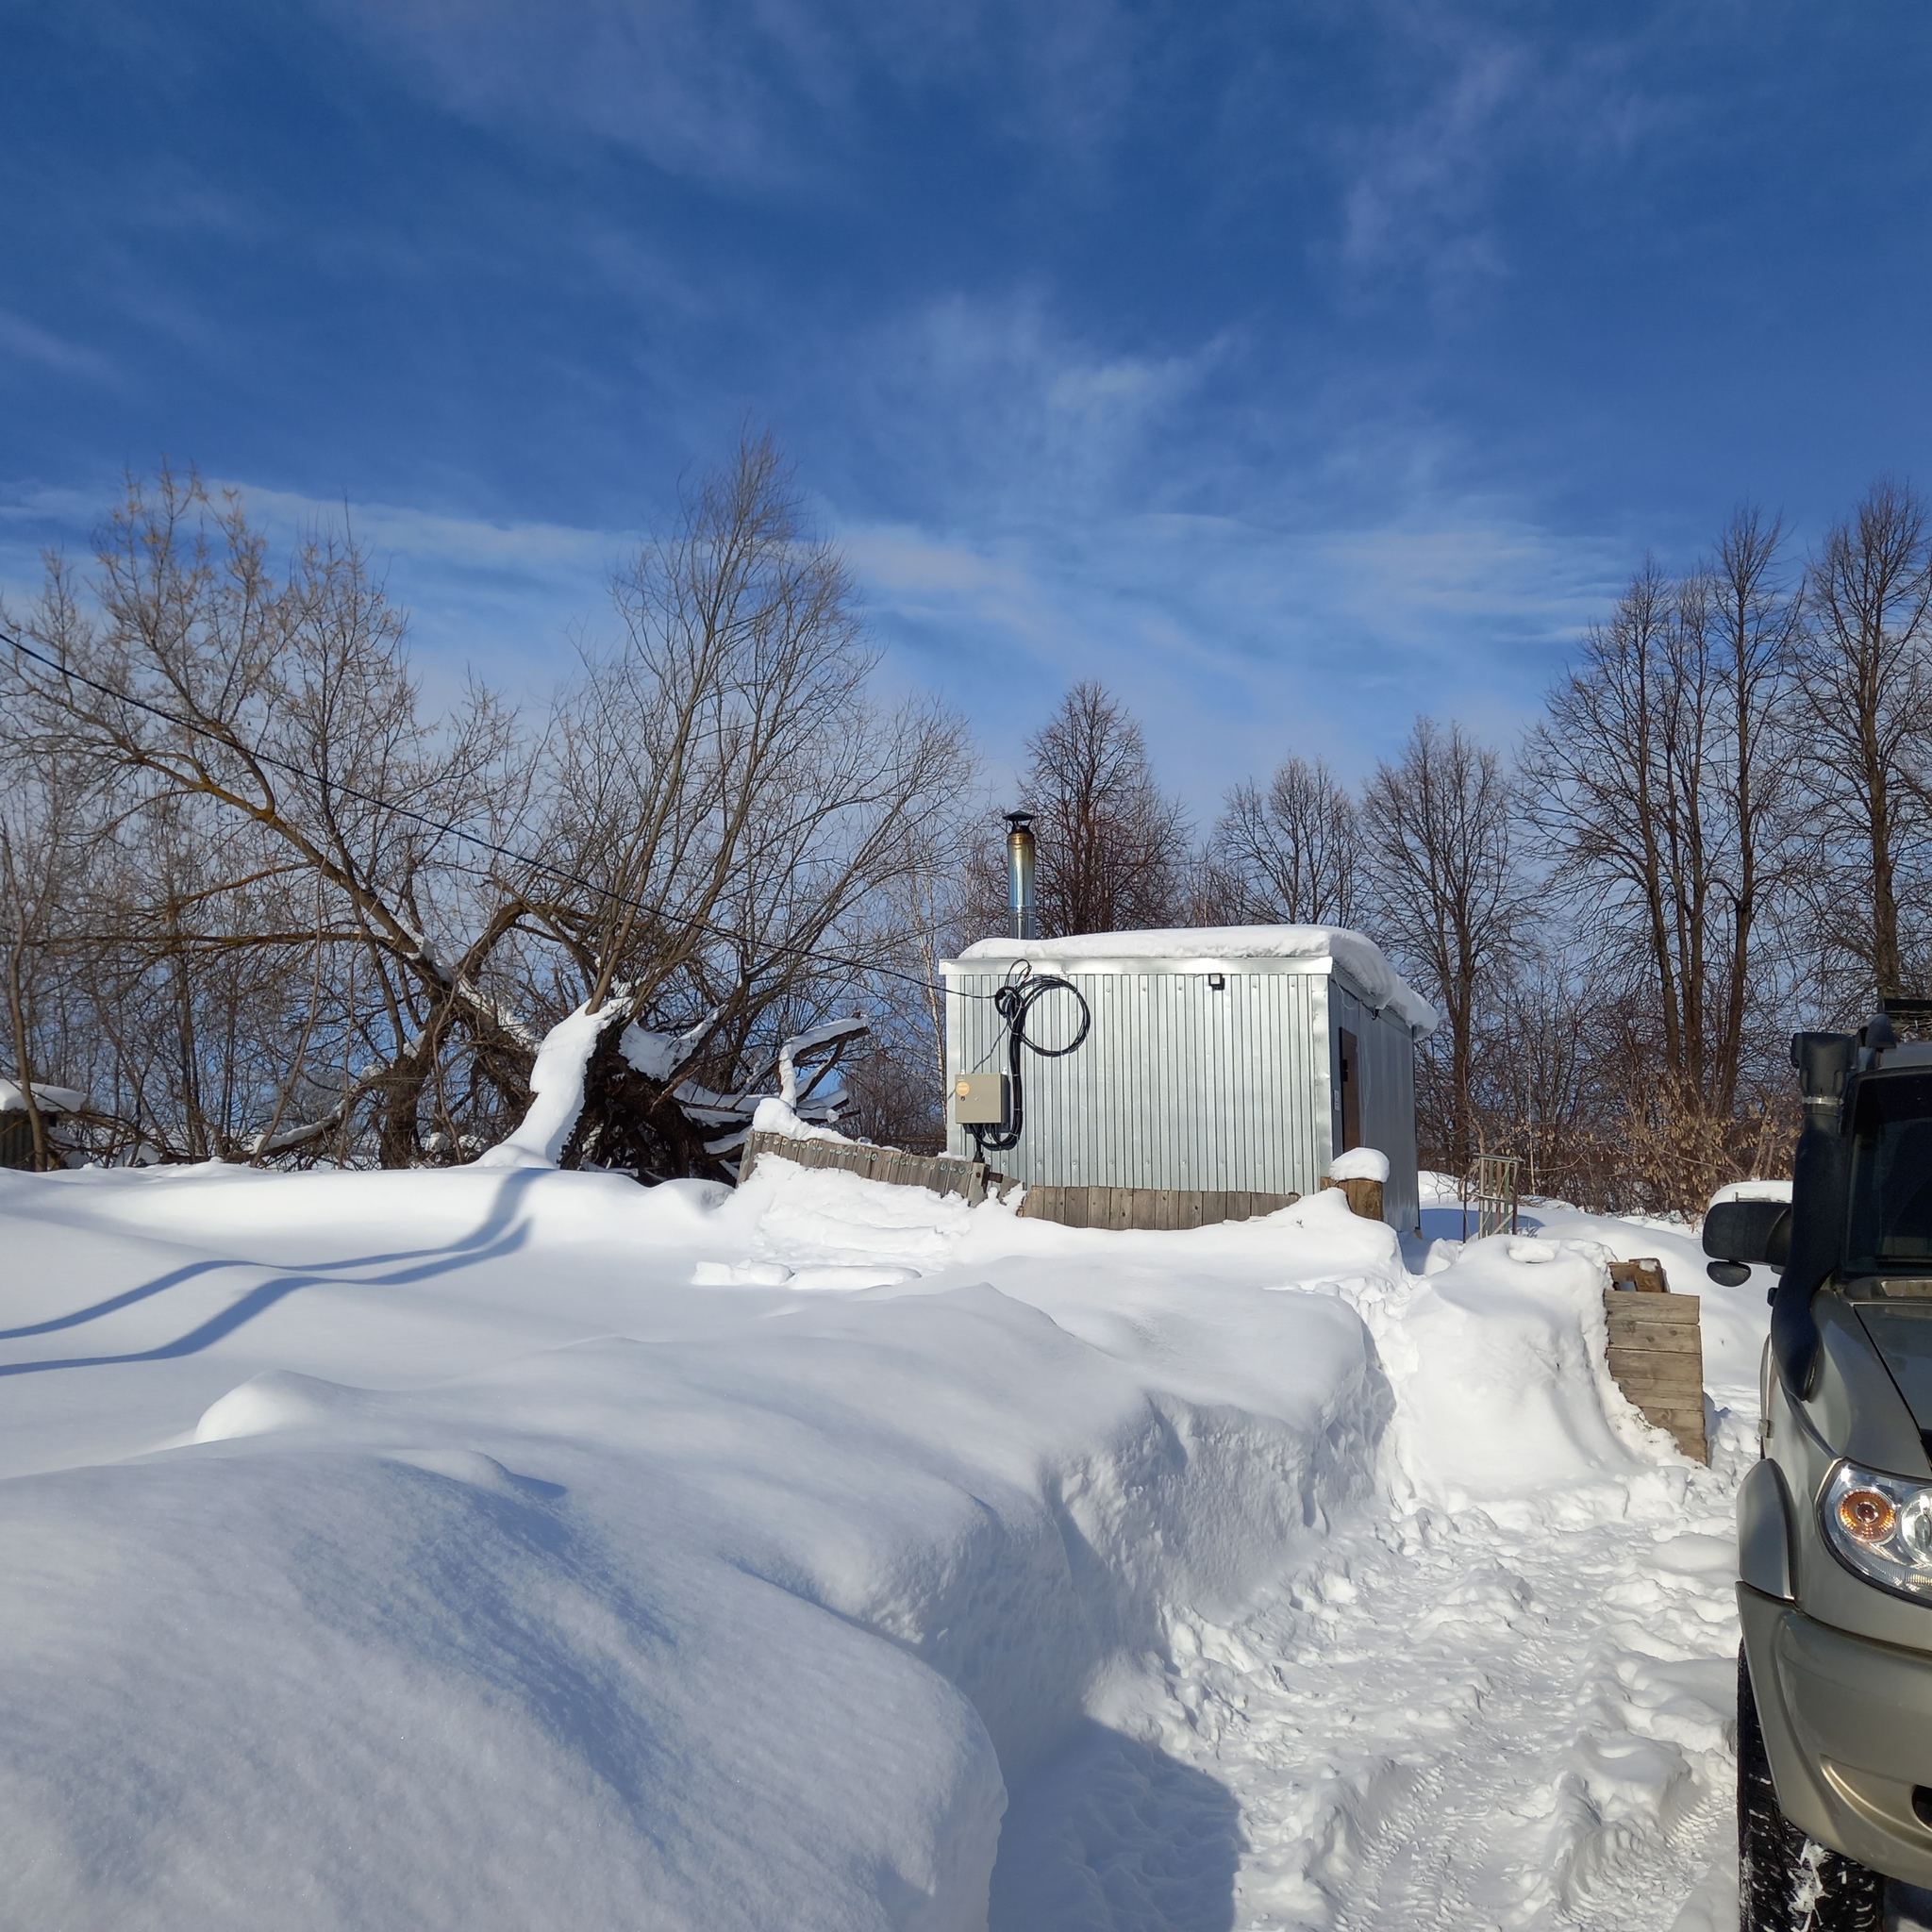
pixel 512 1548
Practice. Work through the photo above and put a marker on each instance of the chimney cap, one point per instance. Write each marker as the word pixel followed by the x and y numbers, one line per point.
pixel 1018 820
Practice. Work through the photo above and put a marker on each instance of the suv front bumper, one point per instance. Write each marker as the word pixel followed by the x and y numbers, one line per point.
pixel 1848 1729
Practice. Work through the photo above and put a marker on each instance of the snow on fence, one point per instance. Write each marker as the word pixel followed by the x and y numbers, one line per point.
pixel 975 1182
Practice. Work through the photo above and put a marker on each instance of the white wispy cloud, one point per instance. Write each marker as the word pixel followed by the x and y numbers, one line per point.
pixel 1307 583
pixel 752 95
pixel 22 340
pixel 1235 638
pixel 1463 104
pixel 1237 642
pixel 506 599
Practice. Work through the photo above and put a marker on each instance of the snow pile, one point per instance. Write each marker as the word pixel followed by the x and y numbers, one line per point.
pixel 503 1547
pixel 1359 1164
pixel 1733 1319
pixel 1195 948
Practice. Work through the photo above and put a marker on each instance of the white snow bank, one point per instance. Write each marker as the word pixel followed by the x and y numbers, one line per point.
pixel 1197 947
pixel 481 1570
pixel 1359 1164
pixel 1499 1368
pixel 509 1548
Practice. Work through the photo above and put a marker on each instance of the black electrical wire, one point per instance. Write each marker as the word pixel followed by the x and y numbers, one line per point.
pixel 477 839
pixel 1013 1002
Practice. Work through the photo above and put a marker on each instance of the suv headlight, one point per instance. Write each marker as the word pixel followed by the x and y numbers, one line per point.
pixel 1881 1526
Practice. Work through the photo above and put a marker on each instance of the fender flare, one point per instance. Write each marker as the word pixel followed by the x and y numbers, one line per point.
pixel 1764 1532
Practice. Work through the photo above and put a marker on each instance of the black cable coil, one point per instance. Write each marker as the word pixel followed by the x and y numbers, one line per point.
pixel 1013 1002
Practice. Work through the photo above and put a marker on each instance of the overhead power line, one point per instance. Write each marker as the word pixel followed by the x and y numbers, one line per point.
pixel 690 921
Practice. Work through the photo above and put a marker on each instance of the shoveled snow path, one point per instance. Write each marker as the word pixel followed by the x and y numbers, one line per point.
pixel 1451 1722
pixel 1526 1728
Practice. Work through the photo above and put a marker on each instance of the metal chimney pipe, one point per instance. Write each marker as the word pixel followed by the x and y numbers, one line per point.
pixel 1022 918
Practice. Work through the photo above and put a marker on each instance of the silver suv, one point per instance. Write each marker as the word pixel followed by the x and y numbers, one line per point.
pixel 1835 1522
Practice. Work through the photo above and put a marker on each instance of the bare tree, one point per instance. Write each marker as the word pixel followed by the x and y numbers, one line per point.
pixel 41 835
pixel 1660 782
pixel 735 817
pixel 1754 625
pixel 1865 678
pixel 275 724
pixel 1113 848
pixel 1540 1070
pixel 1291 854
pixel 306 930
pixel 1448 896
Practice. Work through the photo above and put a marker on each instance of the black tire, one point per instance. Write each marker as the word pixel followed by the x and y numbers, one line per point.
pixel 1786 1881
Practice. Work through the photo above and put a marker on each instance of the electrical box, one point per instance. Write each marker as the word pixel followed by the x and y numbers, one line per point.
pixel 982 1100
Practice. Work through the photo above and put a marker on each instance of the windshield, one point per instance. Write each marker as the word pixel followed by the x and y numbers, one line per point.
pixel 1890 1220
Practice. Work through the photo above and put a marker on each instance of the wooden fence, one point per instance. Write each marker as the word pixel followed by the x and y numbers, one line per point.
pixel 975 1182
pixel 944 1174
pixel 1159 1208
pixel 1657 1356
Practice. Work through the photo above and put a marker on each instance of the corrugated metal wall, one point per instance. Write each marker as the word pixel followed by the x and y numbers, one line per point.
pixel 1388 1122
pixel 1181 1086
pixel 1178 1085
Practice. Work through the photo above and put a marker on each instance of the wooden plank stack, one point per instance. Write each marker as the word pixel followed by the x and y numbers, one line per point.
pixel 1657 1354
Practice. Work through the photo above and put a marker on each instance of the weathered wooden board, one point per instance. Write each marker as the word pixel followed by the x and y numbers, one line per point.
pixel 1666 1338
pixel 971 1180
pixel 1667 1310
pixel 1655 1353
pixel 1161 1209
pixel 1364 1196
pixel 1648 1370
pixel 974 1182
pixel 1645 1273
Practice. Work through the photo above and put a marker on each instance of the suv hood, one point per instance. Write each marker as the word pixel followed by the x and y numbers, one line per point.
pixel 1901 1331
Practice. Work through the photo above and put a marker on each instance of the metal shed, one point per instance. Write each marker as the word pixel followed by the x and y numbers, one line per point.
pixel 16 1128
pixel 1220 1057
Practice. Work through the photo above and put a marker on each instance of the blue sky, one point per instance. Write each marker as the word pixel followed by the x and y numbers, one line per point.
pixel 1289 367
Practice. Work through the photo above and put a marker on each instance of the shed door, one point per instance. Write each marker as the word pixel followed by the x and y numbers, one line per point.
pixel 1351 1058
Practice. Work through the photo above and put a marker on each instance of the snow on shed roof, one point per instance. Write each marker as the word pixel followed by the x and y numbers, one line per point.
pixel 49 1099
pixel 1359 958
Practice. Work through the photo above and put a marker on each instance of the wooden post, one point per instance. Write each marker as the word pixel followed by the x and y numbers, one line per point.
pixel 1364 1196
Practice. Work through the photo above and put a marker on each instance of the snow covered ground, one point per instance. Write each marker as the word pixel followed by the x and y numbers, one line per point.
pixel 502 1547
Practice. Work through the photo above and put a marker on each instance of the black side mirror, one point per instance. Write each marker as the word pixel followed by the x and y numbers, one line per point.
pixel 1727 1274
pixel 1742 1232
